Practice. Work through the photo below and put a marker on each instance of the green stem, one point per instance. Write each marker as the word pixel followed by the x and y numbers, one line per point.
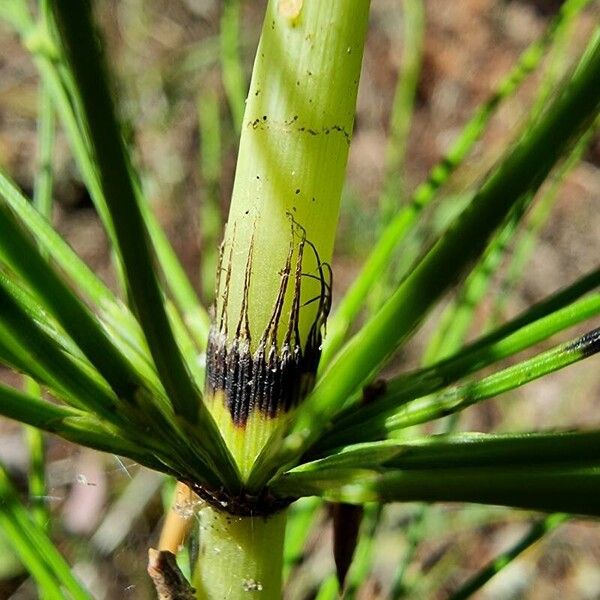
pixel 42 198
pixel 240 557
pixel 304 516
pixel 284 207
pixel 294 147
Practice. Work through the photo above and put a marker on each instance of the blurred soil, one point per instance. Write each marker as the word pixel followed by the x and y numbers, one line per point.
pixel 164 52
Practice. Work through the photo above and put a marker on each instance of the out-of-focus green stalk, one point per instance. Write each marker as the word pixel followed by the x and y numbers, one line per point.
pixel 536 533
pixel 402 107
pixel 231 64
pixel 42 197
pixel 42 200
pixel 37 468
pixel 39 555
pixel 454 323
pixel 538 218
pixel 329 589
pixel 209 120
pixel 301 519
pixel 394 185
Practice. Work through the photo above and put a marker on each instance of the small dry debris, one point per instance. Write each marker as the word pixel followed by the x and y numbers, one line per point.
pixel 168 580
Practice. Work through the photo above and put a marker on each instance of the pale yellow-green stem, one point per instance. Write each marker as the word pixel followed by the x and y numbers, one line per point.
pixel 274 281
pixel 239 557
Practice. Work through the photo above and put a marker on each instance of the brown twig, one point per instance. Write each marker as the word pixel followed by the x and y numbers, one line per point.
pixel 168 580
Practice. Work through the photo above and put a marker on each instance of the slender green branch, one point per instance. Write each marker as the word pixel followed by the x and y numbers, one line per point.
pixel 414 535
pixel 37 351
pixel 194 314
pixel 381 254
pixel 515 177
pixel 564 487
pixel 79 39
pixel 42 198
pixel 77 427
pixel 53 244
pixel 460 397
pixel 458 318
pixel 123 327
pixel 456 465
pixel 32 410
pixel 463 450
pixel 535 533
pixel 42 201
pixel 26 346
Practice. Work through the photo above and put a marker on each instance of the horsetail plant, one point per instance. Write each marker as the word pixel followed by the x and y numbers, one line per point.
pixel 268 421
